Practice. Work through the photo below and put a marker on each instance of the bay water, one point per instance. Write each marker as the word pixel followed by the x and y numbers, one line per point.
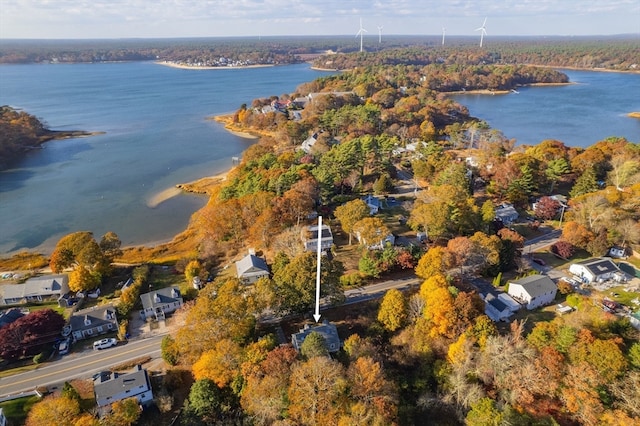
pixel 157 135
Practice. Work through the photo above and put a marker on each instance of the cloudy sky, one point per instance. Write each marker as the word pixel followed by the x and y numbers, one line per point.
pixel 214 18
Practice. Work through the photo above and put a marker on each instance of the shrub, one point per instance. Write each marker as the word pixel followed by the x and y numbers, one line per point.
pixel 352 279
pixel 39 358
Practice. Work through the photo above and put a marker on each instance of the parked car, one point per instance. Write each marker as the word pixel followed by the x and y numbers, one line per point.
pixel 63 346
pixel 104 343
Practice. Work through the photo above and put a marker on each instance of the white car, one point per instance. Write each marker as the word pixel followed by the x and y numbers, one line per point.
pixel 104 343
pixel 63 347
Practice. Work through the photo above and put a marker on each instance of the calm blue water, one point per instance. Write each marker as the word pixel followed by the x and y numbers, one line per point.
pixel 156 137
pixel 580 114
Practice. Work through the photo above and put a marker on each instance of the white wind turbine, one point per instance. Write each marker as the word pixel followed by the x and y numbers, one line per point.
pixel 360 33
pixel 482 30
pixel 444 31
pixel 380 34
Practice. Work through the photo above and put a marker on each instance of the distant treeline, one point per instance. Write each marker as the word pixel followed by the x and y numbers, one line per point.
pixel 614 52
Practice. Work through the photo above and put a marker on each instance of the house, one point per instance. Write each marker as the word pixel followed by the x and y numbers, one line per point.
pixel 597 269
pixel 309 142
pixel 111 387
pixel 495 309
pixel 380 245
pixel 36 289
pixel 326 330
pixel 506 213
pixel 533 291
pixel 9 316
pixel 251 268
pixel 373 203
pixel 156 304
pixel 617 252
pixel 310 238
pixel 91 322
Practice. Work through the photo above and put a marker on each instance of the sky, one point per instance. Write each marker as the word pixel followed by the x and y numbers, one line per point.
pixel 109 19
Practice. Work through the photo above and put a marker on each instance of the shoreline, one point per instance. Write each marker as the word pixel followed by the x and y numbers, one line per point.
pixel 195 67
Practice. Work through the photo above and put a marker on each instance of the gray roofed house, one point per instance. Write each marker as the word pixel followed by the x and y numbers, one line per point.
pixel 533 291
pixel 507 213
pixel 113 387
pixel 251 268
pixel 35 289
pixel 326 330
pixel 496 309
pixel 156 304
pixel 91 322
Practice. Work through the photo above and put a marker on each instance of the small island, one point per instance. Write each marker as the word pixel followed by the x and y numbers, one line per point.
pixel 635 114
pixel 21 132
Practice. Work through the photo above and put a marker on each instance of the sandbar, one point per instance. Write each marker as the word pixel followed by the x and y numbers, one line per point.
pixel 635 114
pixel 163 196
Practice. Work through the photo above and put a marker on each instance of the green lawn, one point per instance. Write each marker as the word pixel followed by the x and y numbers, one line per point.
pixel 16 410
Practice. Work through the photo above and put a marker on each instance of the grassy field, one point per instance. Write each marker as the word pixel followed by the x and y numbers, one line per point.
pixel 16 410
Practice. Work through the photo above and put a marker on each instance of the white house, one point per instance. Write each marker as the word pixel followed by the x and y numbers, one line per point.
pixel 156 304
pixel 595 270
pixel 310 238
pixel 380 245
pixel 533 291
pixel 251 268
pixel 112 387
pixel 500 308
pixel 36 289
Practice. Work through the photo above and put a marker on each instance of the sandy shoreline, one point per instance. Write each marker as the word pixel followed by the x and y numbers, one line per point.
pixel 193 67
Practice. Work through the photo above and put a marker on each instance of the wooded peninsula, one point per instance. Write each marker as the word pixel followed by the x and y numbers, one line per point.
pixel 382 151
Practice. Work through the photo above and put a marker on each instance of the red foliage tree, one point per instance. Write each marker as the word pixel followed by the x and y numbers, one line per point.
pixel 563 249
pixel 29 334
pixel 547 208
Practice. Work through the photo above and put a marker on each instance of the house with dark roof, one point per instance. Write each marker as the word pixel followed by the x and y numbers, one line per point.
pixel 533 291
pixel 158 303
pixel 373 203
pixel 497 309
pixel 598 269
pixel 91 322
pixel 327 330
pixel 251 268
pixel 9 316
pixel 111 387
pixel 37 289
pixel 310 238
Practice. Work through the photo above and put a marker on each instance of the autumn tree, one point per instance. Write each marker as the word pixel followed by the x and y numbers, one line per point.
pixel 434 261
pixel 484 413
pixel 547 208
pixel 370 231
pixel 315 388
pixel 83 279
pixel 81 249
pixel 350 213
pixel 393 310
pixel 370 387
pixel 28 335
pixel 54 411
pixel 124 412
pixel 220 364
pixel 438 306
pixel 563 249
pixel 295 282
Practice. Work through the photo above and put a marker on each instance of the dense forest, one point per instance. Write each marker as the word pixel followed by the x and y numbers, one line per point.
pixel 426 356
pixel 614 52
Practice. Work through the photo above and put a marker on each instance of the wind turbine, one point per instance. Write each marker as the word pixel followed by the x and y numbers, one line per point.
pixel 444 31
pixel 360 33
pixel 380 34
pixel 482 30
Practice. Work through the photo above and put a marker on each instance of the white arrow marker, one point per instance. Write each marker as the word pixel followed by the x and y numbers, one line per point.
pixel 316 316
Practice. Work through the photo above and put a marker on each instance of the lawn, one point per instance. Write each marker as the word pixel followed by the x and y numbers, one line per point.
pixel 16 410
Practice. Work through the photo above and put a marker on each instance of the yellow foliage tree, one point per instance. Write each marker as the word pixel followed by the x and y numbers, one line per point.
pixel 393 310
pixel 438 306
pixel 458 350
pixel 433 262
pixel 54 411
pixel 125 412
pixel 221 364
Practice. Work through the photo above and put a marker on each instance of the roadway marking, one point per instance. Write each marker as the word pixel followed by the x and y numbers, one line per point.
pixel 100 360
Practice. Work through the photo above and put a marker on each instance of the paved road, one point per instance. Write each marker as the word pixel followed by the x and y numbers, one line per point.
pixel 80 364
pixel 378 290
